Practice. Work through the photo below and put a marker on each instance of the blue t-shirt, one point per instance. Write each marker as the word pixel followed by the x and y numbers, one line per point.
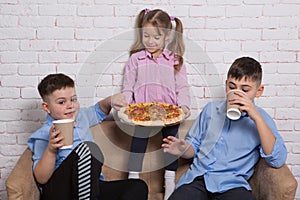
pixel 227 150
pixel 87 117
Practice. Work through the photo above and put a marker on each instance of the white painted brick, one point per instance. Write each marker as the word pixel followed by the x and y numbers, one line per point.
pixel 19 10
pixel 36 69
pixel 223 46
pixel 32 115
pixel 17 33
pixel 7 139
pixel 280 10
pixel 277 56
pixel 258 2
pixel 8 69
pixel 206 34
pixel 9 161
pixel 119 22
pixel 289 45
pixel 30 93
pixel 56 57
pixel 242 34
pixel 244 11
pixel 19 81
pixel 11 150
pixel 10 104
pixel 287 113
pixel 207 11
pixel 282 79
pixel 8 21
pixel 55 33
pixel 288 22
pixel 22 126
pixel 114 2
pixel 277 102
pixel 229 57
pixel 78 2
pixel 297 126
pixel 37 45
pixel 9 45
pixel 117 80
pixel 95 10
pixel 285 125
pixel 10 115
pixel 23 138
pixel 93 34
pixel 72 21
pixel 279 34
pixel 8 92
pixel 224 23
pixel 18 57
pixel 57 10
pixel 191 23
pixel 72 68
pixel 293 159
pixel 271 68
pixel 37 21
pixel 260 23
pixel 76 45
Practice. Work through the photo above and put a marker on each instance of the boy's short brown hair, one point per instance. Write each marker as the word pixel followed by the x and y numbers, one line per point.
pixel 54 82
pixel 246 67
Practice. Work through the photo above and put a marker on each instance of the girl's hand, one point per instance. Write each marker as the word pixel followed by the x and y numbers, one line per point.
pixel 174 145
pixel 118 101
pixel 186 111
pixel 54 140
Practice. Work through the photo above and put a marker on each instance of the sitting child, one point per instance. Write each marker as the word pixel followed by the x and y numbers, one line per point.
pixel 74 173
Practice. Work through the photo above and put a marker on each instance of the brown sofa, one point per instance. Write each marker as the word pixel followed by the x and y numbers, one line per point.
pixel 114 140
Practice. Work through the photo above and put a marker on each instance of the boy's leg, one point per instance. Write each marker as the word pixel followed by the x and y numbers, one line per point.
pixel 78 175
pixel 123 190
pixel 193 190
pixel 235 194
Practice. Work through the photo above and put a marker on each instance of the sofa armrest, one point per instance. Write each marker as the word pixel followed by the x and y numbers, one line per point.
pixel 20 183
pixel 273 184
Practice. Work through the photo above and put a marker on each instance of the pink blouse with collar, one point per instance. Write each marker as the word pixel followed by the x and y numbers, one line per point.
pixel 147 79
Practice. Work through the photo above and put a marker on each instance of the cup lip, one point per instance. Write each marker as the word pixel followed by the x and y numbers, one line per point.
pixel 62 121
pixel 235 90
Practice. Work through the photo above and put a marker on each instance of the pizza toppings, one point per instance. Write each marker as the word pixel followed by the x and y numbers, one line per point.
pixel 151 113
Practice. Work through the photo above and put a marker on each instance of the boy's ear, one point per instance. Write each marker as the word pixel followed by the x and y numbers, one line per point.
pixel 260 91
pixel 45 107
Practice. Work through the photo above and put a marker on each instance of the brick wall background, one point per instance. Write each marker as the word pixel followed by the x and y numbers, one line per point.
pixel 89 39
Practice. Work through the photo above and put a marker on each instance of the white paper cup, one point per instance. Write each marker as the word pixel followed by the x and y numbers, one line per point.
pixel 233 112
pixel 66 127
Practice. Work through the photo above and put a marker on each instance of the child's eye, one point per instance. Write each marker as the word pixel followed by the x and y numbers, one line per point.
pixel 61 102
pixel 157 37
pixel 146 36
pixel 74 99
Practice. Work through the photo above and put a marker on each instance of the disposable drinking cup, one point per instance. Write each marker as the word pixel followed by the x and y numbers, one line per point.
pixel 233 110
pixel 66 129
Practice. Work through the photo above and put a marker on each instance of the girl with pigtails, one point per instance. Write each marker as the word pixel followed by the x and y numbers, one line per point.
pixel 156 72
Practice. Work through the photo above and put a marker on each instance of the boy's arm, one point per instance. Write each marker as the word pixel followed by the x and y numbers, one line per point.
pixel 46 165
pixel 116 101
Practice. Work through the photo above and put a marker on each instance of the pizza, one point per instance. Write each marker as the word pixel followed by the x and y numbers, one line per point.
pixel 151 114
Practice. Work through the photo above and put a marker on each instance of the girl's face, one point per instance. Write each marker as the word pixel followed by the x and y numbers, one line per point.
pixel 153 40
pixel 62 104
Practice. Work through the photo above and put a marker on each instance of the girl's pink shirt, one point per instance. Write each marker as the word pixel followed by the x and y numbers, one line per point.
pixel 147 79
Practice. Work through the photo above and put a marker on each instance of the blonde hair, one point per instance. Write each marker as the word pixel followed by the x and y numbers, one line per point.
pixel 162 21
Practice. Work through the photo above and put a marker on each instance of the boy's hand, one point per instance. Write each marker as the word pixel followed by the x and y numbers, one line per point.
pixel 186 111
pixel 174 145
pixel 118 101
pixel 246 105
pixel 54 140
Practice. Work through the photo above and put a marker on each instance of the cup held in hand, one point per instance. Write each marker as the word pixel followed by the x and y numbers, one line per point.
pixel 66 129
pixel 233 112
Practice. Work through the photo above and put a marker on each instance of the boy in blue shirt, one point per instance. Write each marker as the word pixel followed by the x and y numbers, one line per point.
pixel 74 173
pixel 224 151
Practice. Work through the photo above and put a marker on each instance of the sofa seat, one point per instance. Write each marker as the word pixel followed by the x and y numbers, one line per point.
pixel 114 139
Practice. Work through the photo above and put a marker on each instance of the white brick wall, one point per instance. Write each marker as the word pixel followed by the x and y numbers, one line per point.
pixel 38 37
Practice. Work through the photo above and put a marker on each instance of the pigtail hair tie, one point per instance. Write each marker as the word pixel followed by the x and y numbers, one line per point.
pixel 147 10
pixel 172 18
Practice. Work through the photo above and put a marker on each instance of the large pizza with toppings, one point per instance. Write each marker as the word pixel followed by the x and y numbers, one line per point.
pixel 151 114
